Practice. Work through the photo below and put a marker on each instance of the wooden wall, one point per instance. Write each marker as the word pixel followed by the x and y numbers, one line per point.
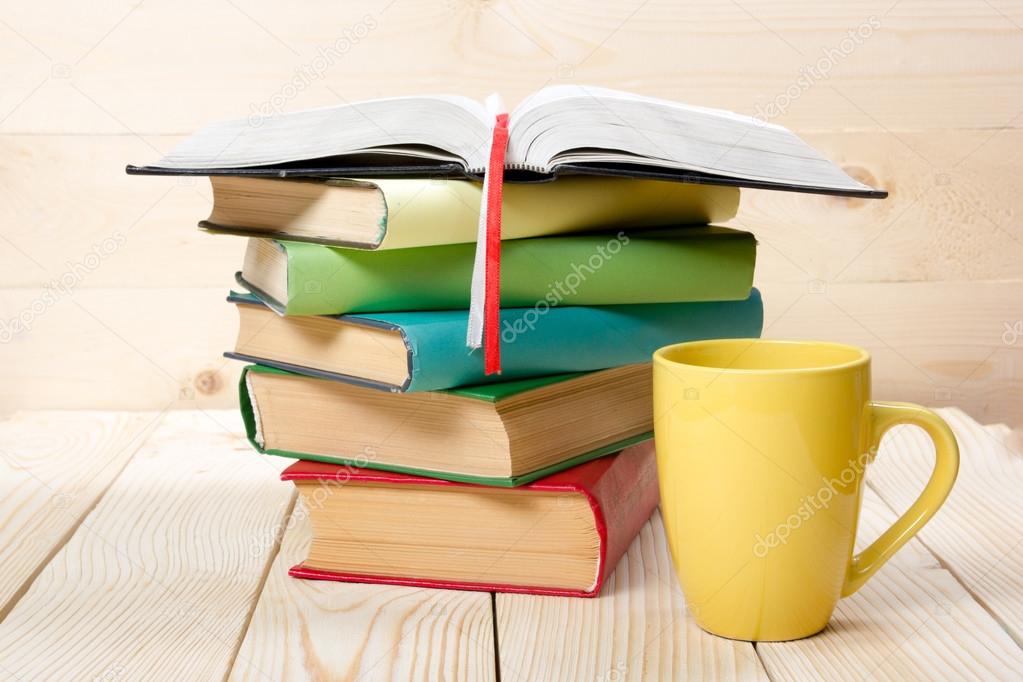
pixel 924 99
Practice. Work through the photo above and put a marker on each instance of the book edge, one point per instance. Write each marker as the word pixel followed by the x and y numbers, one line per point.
pixel 430 477
pixel 305 573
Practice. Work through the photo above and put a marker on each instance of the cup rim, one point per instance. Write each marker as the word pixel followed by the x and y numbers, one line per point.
pixel 862 356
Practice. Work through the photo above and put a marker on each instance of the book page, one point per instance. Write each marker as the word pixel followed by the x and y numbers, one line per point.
pixel 582 124
pixel 439 128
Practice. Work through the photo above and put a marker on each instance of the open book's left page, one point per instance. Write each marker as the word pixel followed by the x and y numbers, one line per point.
pixel 441 128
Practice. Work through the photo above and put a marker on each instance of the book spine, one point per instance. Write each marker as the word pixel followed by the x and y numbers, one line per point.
pixel 623 499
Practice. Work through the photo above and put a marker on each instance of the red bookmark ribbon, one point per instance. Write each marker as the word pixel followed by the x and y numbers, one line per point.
pixel 492 288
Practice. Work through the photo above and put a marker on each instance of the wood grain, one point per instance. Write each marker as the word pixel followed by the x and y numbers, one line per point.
pixel 951 213
pixel 319 630
pixel 978 533
pixel 160 578
pixel 143 229
pixel 54 467
pixel 636 629
pixel 121 348
pixel 902 75
pixel 911 621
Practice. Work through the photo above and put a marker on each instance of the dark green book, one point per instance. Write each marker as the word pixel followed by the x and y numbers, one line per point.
pixel 503 434
pixel 424 350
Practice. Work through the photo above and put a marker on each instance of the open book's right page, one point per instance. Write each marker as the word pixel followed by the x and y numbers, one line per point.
pixel 584 125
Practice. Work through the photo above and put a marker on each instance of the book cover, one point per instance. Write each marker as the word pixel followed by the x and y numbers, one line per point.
pixel 621 489
pixel 658 266
pixel 491 393
pixel 406 212
pixel 537 341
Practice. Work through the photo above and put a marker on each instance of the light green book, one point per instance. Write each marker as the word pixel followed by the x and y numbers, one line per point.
pixel 704 263
pixel 401 213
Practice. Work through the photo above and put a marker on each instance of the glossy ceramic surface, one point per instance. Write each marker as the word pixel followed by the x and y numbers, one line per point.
pixel 761 451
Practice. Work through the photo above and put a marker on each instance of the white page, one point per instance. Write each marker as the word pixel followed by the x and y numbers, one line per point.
pixel 583 124
pixel 455 126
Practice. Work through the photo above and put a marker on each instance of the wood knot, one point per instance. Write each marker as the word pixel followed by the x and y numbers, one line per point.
pixel 867 178
pixel 207 382
pixel 862 174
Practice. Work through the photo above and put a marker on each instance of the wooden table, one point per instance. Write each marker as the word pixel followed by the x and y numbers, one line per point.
pixel 155 546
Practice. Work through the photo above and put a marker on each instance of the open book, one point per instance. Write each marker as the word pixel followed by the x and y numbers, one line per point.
pixel 565 129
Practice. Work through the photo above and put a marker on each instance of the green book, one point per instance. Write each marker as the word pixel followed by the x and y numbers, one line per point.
pixel 502 434
pixel 704 263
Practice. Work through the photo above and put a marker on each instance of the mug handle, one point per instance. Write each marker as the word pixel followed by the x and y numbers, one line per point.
pixel 946 465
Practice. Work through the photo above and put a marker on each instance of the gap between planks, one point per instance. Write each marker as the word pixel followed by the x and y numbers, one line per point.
pixel 497 638
pixel 271 559
pixel 945 565
pixel 989 465
pixel 309 629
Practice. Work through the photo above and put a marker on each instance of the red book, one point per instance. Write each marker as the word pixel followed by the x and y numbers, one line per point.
pixel 560 535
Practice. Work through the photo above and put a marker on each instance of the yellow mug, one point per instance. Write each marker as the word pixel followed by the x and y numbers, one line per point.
pixel 761 451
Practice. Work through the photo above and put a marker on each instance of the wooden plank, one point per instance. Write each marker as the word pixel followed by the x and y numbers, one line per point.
pixel 636 629
pixel 105 229
pixel 54 466
pixel 320 630
pixel 946 219
pixel 938 344
pixel 912 621
pixel 978 534
pixel 160 579
pixel 899 74
pixel 153 349
pixel 949 216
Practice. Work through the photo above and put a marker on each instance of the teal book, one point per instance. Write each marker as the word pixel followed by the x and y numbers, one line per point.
pixel 667 265
pixel 502 434
pixel 425 350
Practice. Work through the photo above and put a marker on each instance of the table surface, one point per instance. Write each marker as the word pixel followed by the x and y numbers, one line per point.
pixel 156 546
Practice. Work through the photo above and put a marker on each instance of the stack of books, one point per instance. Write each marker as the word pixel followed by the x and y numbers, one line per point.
pixel 415 465
pixel 417 468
